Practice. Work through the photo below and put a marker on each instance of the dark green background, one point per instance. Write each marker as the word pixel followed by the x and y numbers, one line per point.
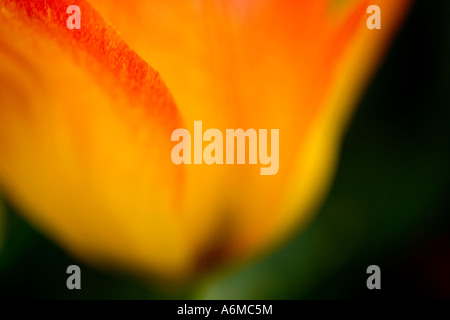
pixel 389 204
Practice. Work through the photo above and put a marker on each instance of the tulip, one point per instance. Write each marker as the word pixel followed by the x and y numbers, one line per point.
pixel 87 116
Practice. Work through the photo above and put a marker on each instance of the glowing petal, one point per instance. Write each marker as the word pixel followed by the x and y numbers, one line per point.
pixel 83 140
pixel 294 65
pixel 97 125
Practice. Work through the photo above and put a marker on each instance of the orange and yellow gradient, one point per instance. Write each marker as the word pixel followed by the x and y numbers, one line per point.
pixel 87 116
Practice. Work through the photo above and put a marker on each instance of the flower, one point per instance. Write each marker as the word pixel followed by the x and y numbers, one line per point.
pixel 87 117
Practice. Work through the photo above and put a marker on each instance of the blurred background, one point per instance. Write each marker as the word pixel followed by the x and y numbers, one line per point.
pixel 389 204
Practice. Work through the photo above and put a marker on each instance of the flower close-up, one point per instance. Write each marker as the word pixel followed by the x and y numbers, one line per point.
pixel 88 116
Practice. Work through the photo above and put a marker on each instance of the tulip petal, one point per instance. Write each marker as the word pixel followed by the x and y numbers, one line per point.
pixel 298 66
pixel 352 72
pixel 85 139
pixel 102 156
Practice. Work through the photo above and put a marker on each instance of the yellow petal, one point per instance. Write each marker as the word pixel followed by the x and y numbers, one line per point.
pixel 101 179
pixel 297 66
pixel 83 140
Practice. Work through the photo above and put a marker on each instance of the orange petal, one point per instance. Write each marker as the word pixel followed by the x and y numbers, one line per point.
pixel 85 138
pixel 293 65
pixel 296 66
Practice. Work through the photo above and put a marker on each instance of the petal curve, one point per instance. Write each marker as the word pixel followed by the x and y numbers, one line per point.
pixel 85 139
